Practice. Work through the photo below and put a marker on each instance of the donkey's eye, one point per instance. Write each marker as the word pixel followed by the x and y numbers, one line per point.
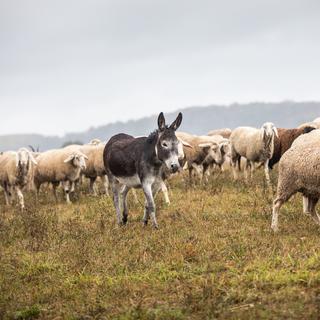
pixel 165 145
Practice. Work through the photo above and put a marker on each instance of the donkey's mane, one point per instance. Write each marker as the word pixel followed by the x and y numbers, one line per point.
pixel 153 135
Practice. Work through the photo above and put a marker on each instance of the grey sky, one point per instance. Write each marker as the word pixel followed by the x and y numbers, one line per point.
pixel 68 65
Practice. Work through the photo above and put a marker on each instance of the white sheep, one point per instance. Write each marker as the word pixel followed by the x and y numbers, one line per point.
pixel 16 169
pixel 298 172
pixel 203 148
pixel 59 166
pixel 255 145
pixel 94 164
pixel 225 132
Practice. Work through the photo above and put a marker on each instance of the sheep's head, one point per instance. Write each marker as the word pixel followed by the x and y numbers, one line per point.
pixel 95 142
pixel 23 160
pixel 225 148
pixel 268 131
pixel 24 157
pixel 78 160
pixel 182 144
pixel 212 151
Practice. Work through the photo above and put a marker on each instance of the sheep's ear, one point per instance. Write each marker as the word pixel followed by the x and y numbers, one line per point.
pixel 161 122
pixel 275 130
pixel 186 144
pixel 17 159
pixel 176 123
pixel 308 129
pixel 69 159
pixel 33 160
pixel 83 155
pixel 205 145
pixel 214 146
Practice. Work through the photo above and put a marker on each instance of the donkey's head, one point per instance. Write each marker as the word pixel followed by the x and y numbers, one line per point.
pixel 168 147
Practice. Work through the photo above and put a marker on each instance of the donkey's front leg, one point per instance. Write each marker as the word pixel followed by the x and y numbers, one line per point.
pixel 150 209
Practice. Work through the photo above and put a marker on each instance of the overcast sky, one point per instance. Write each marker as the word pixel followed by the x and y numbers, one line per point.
pixel 66 65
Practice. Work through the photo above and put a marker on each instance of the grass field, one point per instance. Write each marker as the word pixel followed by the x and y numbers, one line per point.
pixel 214 257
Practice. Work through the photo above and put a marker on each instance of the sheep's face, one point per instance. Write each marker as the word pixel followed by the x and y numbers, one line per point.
pixel 269 130
pixel 225 149
pixel 23 162
pixel 77 160
pixel 212 150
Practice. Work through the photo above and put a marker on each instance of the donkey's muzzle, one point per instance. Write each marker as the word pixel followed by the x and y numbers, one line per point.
pixel 174 167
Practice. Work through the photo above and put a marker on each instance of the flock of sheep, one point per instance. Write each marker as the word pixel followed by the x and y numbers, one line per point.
pixel 298 151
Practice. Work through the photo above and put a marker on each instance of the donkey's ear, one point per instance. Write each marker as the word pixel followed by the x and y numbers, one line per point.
pixel 161 122
pixel 176 123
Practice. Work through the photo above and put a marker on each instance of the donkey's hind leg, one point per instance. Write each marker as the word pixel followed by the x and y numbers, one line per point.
pixel 124 193
pixel 116 189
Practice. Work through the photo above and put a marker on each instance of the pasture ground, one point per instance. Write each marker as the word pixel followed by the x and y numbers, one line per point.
pixel 214 257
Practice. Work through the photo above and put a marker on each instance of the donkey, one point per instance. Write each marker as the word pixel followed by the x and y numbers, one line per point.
pixel 140 163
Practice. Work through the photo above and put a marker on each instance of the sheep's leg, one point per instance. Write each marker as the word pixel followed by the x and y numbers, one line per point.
pixel 20 197
pixel 150 205
pixel 246 169
pixel 305 202
pixel 135 197
pixel 312 209
pixel 251 170
pixel 54 190
pixel 275 213
pixel 37 190
pixel 205 172
pixel 164 190
pixel 72 186
pixel 92 188
pixel 124 193
pixel 266 171
pixel 234 164
pixel 161 186
pixel 65 186
pixel 190 168
pixel 7 195
pixel 105 182
pixel 198 171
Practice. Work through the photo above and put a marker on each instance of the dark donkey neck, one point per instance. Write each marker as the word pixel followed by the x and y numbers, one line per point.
pixel 150 154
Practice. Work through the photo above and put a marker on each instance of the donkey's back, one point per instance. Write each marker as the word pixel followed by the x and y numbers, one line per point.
pixel 122 153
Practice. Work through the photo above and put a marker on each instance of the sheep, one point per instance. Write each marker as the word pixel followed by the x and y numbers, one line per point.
pixel 224 146
pixel 298 172
pixel 59 166
pixel 203 148
pixel 256 145
pixel 314 124
pixel 15 173
pixel 94 165
pixel 95 142
pixel 225 133
pixel 284 142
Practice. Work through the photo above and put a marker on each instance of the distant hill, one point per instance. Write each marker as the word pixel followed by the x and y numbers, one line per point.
pixel 198 120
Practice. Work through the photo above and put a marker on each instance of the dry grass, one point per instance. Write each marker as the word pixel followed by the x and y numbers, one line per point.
pixel 214 256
